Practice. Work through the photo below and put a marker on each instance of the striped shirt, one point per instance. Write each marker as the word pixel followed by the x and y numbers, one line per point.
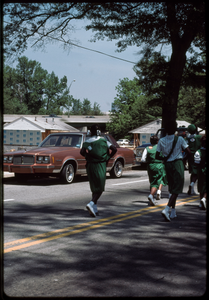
pixel 165 145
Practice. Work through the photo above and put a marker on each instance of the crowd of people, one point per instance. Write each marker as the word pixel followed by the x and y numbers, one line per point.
pixel 165 160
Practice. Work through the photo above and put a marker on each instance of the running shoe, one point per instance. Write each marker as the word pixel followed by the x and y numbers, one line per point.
pixel 90 208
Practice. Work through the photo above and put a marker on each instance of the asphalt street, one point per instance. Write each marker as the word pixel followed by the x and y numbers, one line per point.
pixel 54 248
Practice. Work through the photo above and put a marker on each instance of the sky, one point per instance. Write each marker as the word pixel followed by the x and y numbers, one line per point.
pixel 96 75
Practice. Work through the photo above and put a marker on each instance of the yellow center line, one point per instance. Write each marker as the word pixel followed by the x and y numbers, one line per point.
pixel 90 225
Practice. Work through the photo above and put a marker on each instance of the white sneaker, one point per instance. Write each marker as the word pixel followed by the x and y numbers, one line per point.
pixel 90 208
pixel 158 195
pixel 173 213
pixel 203 202
pixel 95 209
pixel 165 213
pixel 151 200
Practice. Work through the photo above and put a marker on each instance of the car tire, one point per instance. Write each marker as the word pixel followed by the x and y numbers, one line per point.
pixel 68 173
pixel 117 170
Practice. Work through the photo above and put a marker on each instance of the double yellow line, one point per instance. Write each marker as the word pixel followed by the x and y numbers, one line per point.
pixel 59 233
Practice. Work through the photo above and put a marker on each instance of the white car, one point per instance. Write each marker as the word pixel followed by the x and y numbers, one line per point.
pixel 123 142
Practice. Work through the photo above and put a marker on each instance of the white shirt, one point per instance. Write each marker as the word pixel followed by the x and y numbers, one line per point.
pixel 197 157
pixel 95 138
pixel 165 145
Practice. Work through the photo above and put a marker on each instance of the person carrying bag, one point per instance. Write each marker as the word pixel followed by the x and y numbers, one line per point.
pixel 171 147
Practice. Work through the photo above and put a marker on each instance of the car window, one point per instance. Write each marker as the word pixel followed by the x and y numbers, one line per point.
pixel 70 140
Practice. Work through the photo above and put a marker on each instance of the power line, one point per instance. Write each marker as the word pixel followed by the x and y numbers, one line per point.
pixel 85 48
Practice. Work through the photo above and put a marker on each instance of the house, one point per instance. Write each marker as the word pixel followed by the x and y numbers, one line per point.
pixel 30 131
pixel 143 133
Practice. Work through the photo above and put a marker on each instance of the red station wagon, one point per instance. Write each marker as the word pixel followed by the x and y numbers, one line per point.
pixel 58 155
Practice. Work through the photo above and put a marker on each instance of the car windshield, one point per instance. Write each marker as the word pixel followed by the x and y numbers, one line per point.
pixel 68 140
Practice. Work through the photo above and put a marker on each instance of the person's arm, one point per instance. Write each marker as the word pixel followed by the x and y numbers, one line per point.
pixel 158 156
pixel 144 155
pixel 113 150
pixel 187 153
pixel 83 152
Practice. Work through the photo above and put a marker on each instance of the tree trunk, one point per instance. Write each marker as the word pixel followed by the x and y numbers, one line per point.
pixel 177 64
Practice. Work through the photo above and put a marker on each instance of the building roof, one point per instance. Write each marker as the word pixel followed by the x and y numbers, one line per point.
pixel 38 123
pixel 153 127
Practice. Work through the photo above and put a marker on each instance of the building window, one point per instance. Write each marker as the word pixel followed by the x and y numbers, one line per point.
pixel 17 135
pixel 24 141
pixel 144 136
pixel 38 132
pixel 17 141
pixel 31 139
pixel 38 138
pixel 11 139
pixel 4 141
pixel 17 130
pixel 24 135
pixel 31 143
pixel 11 133
pixel 31 133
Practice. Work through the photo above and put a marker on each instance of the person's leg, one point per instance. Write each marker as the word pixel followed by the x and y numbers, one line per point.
pixel 159 192
pixel 172 203
pixel 96 196
pixel 151 196
pixel 172 200
pixel 193 179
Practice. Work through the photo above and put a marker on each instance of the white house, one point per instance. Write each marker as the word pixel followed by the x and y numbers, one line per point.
pixel 146 131
pixel 31 131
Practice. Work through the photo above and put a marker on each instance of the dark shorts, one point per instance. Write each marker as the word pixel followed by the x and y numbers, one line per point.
pixel 175 176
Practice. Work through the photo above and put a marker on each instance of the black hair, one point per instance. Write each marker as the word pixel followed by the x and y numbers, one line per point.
pixel 154 139
pixel 170 127
pixel 94 128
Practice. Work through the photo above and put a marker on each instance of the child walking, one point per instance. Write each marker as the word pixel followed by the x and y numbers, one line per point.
pixel 155 169
pixel 171 147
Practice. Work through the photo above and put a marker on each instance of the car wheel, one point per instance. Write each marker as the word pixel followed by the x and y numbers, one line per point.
pixel 117 170
pixel 68 173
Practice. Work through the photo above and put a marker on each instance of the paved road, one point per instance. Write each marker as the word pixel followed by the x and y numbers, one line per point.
pixel 53 248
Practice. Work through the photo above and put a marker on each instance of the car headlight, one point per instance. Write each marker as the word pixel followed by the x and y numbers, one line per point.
pixel 43 159
pixel 8 159
pixel 139 152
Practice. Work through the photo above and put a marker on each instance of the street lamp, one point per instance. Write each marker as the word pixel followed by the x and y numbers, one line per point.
pixel 68 97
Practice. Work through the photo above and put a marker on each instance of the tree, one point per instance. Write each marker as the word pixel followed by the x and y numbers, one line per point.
pixel 96 111
pixel 12 103
pixel 30 80
pixel 86 107
pixel 55 96
pixel 192 106
pixel 130 109
pixel 29 89
pixel 144 24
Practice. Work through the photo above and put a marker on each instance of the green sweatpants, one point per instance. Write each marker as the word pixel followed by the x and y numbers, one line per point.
pixel 175 176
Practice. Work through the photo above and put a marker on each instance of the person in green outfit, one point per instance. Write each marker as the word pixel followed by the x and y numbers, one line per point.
pixel 193 140
pixel 171 147
pixel 155 169
pixel 96 151
pixel 200 161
